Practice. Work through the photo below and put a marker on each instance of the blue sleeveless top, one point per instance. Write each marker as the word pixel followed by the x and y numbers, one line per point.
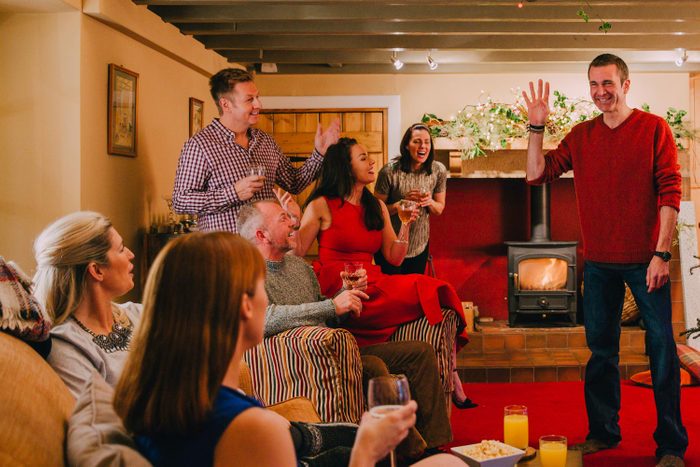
pixel 197 449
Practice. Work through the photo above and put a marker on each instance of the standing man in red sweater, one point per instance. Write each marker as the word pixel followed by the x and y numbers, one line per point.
pixel 628 191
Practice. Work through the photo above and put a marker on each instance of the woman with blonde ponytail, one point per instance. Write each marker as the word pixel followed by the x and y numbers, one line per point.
pixel 82 267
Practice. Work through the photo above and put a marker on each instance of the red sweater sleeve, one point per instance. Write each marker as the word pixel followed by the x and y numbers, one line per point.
pixel 556 162
pixel 666 169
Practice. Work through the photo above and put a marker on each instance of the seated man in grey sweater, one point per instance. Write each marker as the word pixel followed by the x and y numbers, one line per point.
pixel 296 300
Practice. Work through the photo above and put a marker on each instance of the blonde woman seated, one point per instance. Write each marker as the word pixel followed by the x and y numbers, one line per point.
pixel 82 267
pixel 204 306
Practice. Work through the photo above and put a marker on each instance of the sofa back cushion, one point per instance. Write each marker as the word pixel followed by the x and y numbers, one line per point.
pixel 34 407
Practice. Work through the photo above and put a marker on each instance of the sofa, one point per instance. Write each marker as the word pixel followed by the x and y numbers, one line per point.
pixel 323 365
pixel 37 413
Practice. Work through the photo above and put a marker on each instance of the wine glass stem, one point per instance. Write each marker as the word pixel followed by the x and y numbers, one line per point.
pixel 403 233
pixel 392 458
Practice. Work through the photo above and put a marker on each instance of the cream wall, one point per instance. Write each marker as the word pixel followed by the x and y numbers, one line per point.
pixel 445 95
pixel 53 118
pixel 39 126
pixel 131 190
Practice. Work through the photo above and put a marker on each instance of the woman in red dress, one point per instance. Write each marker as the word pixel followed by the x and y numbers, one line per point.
pixel 351 225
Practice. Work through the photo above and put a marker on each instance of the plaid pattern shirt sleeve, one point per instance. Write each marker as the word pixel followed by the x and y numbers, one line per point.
pixel 211 162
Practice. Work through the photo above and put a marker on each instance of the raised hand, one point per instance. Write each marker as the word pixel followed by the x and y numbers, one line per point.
pixel 325 138
pixel 289 205
pixel 537 104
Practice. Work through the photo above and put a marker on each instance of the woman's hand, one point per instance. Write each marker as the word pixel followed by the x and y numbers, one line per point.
pixel 376 437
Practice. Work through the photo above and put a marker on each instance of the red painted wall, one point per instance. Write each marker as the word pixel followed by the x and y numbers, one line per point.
pixel 467 240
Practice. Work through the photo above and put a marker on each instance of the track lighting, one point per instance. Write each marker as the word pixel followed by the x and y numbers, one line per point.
pixel 398 64
pixel 432 64
pixel 682 58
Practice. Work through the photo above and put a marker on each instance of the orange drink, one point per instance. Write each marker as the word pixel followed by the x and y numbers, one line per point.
pixel 515 426
pixel 553 451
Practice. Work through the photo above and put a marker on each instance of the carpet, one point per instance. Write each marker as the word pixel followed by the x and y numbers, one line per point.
pixel 558 408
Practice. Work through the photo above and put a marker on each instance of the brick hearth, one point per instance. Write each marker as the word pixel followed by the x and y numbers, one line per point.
pixel 500 354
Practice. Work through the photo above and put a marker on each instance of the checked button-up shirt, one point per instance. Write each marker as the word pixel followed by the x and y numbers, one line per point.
pixel 211 162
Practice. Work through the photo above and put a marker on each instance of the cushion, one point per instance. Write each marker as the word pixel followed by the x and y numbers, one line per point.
pixel 643 378
pixel 34 407
pixel 298 409
pixel 690 359
pixel 96 435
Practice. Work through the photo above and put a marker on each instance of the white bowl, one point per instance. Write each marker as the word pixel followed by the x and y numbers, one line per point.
pixel 508 460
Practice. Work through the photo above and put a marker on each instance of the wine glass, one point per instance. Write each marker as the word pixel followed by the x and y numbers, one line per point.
pixel 257 170
pixel 386 394
pixel 406 208
pixel 352 274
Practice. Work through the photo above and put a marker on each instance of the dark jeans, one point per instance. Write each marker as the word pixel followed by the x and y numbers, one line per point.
pixel 602 305
pixel 415 265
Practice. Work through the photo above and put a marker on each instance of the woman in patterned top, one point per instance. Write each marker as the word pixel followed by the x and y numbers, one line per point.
pixel 415 176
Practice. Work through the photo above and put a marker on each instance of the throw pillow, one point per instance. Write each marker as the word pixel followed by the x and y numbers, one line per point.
pixel 96 435
pixel 643 378
pixel 690 359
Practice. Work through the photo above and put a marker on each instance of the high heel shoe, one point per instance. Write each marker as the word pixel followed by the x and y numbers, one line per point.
pixel 465 404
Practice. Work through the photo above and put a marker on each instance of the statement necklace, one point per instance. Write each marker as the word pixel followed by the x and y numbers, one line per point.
pixel 117 340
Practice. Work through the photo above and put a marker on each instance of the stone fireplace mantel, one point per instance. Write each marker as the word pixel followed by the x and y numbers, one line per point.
pixel 504 163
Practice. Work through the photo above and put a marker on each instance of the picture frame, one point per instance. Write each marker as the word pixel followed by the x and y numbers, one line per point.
pixel 122 111
pixel 196 115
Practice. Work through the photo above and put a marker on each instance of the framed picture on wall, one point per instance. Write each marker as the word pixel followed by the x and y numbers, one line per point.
pixel 121 113
pixel 196 115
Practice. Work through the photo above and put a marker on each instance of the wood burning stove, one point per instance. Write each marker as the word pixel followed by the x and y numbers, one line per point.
pixel 541 272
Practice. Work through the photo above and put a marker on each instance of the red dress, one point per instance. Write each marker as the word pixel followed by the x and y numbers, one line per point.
pixel 393 299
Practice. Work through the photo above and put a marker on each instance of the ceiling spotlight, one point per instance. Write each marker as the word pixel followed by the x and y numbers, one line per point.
pixel 398 64
pixel 682 58
pixel 432 64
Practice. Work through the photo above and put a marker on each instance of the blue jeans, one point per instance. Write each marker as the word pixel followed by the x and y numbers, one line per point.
pixel 602 304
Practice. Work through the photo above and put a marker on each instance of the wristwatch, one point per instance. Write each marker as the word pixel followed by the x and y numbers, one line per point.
pixel 664 255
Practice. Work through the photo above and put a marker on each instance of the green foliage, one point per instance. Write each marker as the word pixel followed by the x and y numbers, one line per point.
pixel 604 27
pixel 489 125
pixel 682 130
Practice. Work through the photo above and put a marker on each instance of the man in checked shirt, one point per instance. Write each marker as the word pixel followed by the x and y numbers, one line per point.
pixel 214 179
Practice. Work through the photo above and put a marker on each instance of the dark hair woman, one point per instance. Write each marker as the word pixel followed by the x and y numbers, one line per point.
pixel 351 225
pixel 415 176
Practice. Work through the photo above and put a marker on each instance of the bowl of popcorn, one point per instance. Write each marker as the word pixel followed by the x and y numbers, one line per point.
pixel 489 453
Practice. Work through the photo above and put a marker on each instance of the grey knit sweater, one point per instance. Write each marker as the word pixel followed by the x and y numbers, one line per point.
pixel 295 297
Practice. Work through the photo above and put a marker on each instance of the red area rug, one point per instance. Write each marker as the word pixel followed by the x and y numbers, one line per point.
pixel 558 408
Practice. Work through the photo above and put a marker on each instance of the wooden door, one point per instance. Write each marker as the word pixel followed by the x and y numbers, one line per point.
pixel 294 132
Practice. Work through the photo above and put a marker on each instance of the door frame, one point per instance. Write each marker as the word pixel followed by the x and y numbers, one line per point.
pixel 391 102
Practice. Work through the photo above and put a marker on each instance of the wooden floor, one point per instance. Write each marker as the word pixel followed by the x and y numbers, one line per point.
pixel 498 353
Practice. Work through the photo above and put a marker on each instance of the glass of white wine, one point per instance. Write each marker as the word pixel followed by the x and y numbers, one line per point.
pixel 386 394
pixel 405 210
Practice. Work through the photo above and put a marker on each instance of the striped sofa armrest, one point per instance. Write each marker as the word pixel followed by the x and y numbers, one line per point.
pixel 441 336
pixel 318 363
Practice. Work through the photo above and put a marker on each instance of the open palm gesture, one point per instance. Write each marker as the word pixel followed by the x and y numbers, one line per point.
pixel 537 104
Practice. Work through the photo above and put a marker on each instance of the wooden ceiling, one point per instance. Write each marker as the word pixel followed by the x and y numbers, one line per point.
pixel 360 36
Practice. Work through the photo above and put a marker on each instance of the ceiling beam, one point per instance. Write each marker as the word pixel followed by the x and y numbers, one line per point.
pixel 444 42
pixel 684 11
pixel 455 56
pixel 337 27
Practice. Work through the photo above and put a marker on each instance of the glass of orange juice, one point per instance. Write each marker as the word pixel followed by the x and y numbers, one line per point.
pixel 515 426
pixel 553 451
